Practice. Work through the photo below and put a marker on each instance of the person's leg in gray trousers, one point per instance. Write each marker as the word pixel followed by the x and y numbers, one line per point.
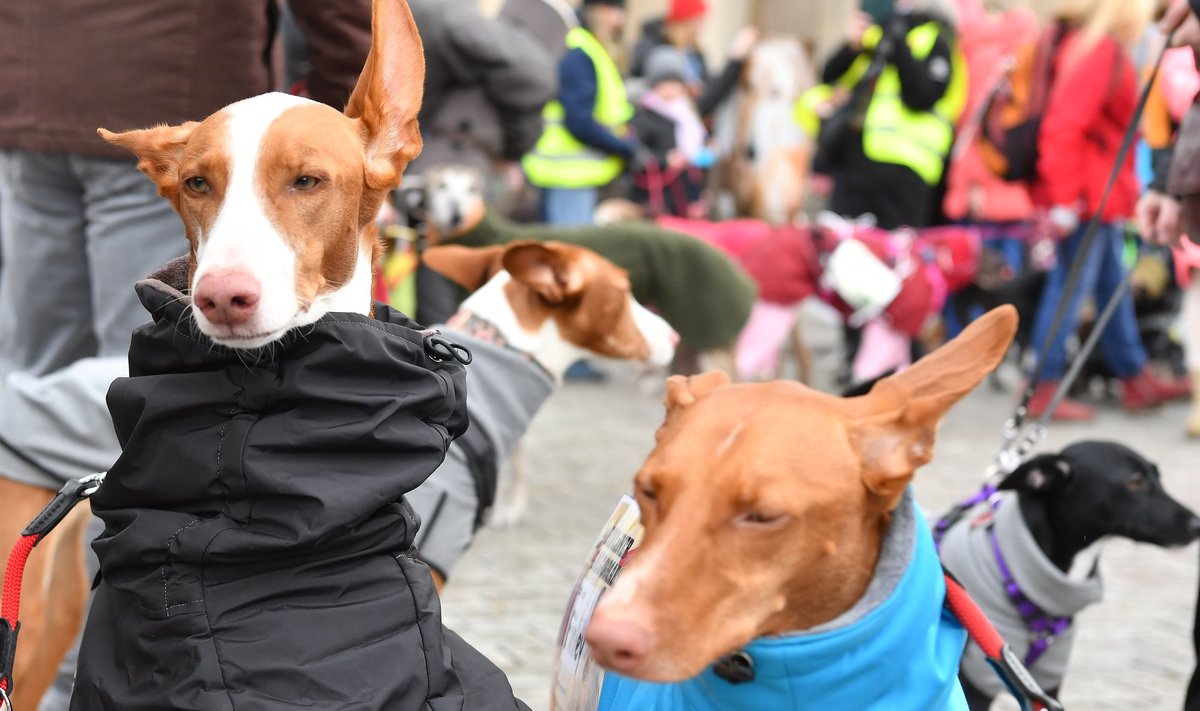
pixel 77 233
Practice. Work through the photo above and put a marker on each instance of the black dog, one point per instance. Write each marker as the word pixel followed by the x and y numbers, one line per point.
pixel 1030 560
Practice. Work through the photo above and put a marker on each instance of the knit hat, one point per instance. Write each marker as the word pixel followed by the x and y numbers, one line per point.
pixel 614 3
pixel 686 9
pixel 667 63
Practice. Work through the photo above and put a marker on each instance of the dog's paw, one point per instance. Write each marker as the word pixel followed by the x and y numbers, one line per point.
pixel 651 380
pixel 507 516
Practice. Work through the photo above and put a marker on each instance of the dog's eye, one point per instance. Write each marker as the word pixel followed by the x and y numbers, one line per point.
pixel 1137 482
pixel 760 518
pixel 197 185
pixel 305 182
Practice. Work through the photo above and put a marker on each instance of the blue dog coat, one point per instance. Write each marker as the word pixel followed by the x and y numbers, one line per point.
pixel 898 649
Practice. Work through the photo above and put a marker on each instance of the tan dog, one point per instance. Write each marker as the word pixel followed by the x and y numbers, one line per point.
pixel 766 506
pixel 278 195
pixel 53 592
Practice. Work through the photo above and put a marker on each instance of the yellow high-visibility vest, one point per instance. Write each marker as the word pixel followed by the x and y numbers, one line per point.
pixel 894 133
pixel 559 160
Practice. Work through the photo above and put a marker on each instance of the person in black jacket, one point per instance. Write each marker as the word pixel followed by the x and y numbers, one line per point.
pixel 891 190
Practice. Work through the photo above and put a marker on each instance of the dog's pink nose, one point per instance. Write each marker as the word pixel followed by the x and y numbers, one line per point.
pixel 228 298
pixel 618 644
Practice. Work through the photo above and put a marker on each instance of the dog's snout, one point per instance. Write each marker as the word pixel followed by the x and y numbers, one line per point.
pixel 228 298
pixel 1193 526
pixel 620 645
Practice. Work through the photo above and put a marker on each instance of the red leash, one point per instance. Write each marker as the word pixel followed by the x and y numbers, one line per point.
pixel 67 498
pixel 1002 658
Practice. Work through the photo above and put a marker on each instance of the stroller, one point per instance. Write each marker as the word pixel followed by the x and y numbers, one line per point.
pixel 666 191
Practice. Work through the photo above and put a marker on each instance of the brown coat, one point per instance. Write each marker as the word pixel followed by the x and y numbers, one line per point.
pixel 70 66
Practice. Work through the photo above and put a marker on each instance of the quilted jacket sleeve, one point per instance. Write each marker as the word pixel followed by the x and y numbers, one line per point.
pixel 515 72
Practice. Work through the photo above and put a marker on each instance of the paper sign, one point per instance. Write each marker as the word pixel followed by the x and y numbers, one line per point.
pixel 577 677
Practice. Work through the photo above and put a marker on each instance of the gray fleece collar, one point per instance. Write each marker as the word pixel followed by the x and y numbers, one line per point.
pixel 1040 579
pixel 895 556
pixel 171 279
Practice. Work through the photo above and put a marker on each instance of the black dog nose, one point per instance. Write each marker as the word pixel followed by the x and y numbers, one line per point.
pixel 1194 527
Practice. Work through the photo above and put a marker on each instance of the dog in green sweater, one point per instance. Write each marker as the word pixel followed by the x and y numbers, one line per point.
pixel 703 294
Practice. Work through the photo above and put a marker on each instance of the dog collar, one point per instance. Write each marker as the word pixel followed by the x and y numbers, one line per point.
pixel 1043 627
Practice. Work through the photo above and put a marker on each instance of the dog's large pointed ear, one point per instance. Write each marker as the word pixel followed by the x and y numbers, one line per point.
pixel 684 391
pixel 549 268
pixel 159 151
pixel 387 98
pixel 894 427
pixel 469 267
pixel 1042 474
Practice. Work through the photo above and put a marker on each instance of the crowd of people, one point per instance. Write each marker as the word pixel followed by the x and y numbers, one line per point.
pixel 597 129
pixel 909 112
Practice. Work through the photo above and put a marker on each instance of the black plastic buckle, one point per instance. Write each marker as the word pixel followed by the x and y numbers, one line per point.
pixel 8 652
pixel 441 349
pixel 67 498
pixel 736 668
pixel 1020 682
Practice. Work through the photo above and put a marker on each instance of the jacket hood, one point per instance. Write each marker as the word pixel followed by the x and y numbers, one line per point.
pixel 897 648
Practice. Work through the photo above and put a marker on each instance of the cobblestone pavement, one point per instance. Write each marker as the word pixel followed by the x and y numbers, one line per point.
pixel 507 597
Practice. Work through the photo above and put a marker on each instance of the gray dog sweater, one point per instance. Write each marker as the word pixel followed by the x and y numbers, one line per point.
pixel 505 390
pixel 967 553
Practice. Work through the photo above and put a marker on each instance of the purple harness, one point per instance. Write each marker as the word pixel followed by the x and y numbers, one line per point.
pixel 1043 627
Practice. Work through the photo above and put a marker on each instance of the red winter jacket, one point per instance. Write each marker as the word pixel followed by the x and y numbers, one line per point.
pixel 986 40
pixel 1090 106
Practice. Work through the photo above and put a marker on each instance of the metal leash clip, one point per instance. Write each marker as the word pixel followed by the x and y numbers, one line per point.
pixel 73 492
pixel 1021 684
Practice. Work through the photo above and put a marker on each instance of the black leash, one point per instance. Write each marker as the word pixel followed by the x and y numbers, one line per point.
pixel 1012 451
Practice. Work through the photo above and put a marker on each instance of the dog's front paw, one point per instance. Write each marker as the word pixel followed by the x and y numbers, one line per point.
pixel 508 516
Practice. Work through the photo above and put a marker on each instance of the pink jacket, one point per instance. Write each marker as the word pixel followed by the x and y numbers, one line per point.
pixel 986 39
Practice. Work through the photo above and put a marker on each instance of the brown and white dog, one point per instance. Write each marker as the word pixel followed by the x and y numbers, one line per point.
pixel 278 195
pixel 536 307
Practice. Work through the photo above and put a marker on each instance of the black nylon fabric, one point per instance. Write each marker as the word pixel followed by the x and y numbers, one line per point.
pixel 255 553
